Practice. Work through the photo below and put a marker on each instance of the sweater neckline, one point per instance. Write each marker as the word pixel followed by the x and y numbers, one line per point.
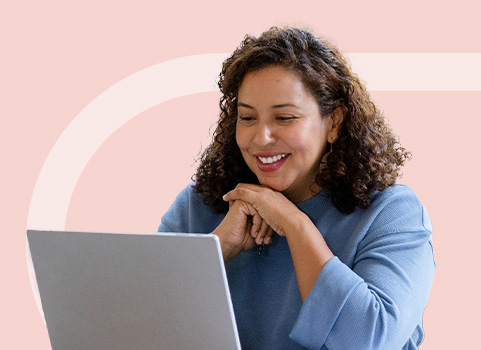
pixel 313 201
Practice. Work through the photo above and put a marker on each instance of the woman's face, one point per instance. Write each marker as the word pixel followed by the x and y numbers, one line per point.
pixel 280 131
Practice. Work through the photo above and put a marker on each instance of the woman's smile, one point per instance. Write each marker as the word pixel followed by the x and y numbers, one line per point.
pixel 271 162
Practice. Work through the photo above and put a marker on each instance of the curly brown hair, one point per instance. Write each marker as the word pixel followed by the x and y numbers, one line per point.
pixel 366 157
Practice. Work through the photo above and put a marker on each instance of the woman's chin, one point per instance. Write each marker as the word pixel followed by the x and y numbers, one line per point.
pixel 274 185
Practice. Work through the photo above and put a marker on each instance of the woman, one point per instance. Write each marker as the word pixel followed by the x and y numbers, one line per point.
pixel 303 163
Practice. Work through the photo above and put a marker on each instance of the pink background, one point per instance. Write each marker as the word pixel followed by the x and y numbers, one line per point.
pixel 56 58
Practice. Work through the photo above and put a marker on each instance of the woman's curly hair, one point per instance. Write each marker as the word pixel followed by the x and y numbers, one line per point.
pixel 366 157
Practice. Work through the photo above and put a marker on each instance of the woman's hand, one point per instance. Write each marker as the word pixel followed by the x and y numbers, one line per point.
pixel 238 230
pixel 273 207
pixel 308 249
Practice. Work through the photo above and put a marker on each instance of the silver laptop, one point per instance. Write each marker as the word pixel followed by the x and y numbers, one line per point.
pixel 133 291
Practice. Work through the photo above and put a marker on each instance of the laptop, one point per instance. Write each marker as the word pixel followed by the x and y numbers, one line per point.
pixel 133 291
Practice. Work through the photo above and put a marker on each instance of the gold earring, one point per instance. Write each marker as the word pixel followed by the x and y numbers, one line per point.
pixel 324 158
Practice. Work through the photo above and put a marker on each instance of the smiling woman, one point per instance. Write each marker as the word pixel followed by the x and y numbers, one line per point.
pixel 303 162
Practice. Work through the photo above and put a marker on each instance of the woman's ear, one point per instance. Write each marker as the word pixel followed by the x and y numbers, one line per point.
pixel 337 117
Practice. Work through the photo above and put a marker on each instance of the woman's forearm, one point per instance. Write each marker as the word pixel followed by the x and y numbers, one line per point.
pixel 309 251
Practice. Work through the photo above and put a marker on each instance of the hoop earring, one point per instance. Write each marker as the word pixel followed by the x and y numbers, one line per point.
pixel 324 158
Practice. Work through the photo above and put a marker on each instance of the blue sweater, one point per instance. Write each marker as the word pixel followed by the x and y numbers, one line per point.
pixel 371 295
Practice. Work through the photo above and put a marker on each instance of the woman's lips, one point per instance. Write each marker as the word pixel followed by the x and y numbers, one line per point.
pixel 270 162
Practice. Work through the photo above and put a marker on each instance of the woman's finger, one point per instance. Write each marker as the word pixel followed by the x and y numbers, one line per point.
pixel 253 216
pixel 260 238
pixel 256 225
pixel 270 233
pixel 264 229
pixel 240 193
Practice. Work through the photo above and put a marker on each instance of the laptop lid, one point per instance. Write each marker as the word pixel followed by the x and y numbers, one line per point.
pixel 133 291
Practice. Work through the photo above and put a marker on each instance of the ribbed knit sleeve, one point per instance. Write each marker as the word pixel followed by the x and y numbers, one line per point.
pixel 374 299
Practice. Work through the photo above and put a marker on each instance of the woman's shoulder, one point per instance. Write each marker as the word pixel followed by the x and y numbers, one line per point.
pixel 189 200
pixel 394 193
pixel 398 208
pixel 188 195
pixel 189 213
pixel 395 198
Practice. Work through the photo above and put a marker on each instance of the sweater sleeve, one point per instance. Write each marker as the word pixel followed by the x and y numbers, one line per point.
pixel 378 303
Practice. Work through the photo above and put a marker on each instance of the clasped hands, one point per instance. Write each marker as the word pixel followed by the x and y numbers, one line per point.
pixel 255 213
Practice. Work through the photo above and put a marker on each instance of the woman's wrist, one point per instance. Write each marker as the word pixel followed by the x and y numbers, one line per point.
pixel 294 224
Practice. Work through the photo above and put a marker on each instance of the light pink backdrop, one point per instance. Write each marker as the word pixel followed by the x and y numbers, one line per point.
pixel 56 58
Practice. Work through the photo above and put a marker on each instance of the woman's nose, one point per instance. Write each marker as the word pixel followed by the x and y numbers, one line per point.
pixel 264 135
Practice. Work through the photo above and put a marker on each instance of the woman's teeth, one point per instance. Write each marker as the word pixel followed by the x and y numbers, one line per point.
pixel 271 160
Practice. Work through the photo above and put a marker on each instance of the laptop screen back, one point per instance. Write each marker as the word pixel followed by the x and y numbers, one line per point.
pixel 129 291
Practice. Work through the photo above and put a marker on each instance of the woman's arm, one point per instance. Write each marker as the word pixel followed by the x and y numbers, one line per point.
pixel 377 303
pixel 308 249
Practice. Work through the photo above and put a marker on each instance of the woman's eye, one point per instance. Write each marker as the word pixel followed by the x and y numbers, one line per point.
pixel 285 118
pixel 246 118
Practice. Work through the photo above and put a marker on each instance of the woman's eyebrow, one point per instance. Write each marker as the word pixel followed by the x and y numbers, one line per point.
pixel 284 105
pixel 245 105
pixel 241 104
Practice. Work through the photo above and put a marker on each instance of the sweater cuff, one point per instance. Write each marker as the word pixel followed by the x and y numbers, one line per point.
pixel 325 301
